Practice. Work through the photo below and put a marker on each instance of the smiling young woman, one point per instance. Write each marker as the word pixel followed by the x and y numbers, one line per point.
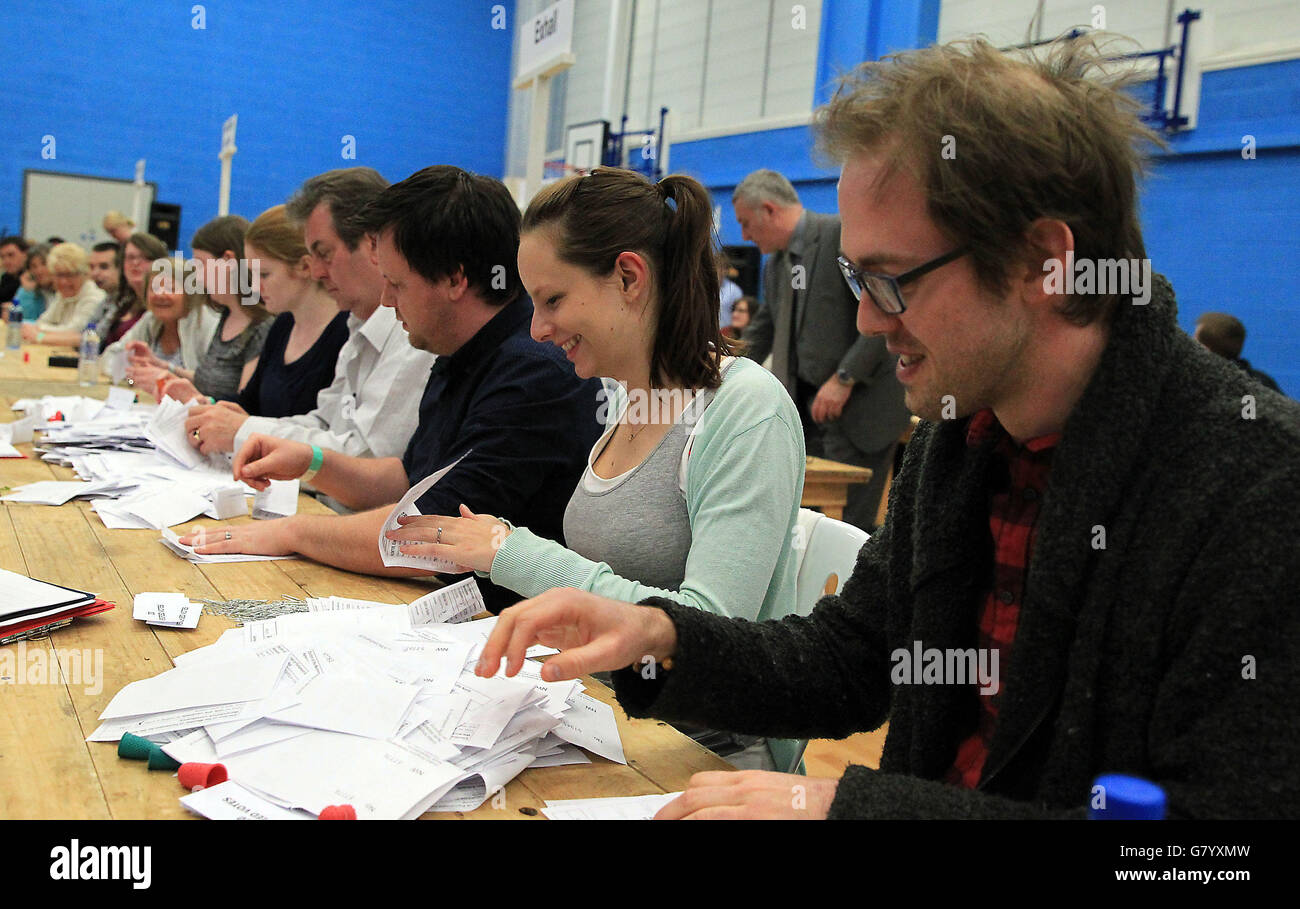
pixel 693 497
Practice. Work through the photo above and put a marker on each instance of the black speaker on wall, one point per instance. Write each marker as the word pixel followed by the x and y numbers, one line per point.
pixel 165 223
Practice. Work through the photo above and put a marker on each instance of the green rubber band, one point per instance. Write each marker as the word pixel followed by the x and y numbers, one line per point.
pixel 317 459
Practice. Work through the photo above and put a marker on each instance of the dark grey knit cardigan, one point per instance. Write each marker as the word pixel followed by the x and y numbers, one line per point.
pixel 1172 653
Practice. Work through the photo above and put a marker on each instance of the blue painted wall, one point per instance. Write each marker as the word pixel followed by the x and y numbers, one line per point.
pixel 1223 228
pixel 415 84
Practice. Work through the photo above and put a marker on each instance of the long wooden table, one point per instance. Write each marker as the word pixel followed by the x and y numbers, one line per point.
pixel 50 771
pixel 826 485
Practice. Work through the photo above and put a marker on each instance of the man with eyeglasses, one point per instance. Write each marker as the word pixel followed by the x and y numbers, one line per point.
pixel 842 382
pixel 1089 564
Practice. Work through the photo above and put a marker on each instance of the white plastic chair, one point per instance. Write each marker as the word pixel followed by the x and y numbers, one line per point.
pixel 829 551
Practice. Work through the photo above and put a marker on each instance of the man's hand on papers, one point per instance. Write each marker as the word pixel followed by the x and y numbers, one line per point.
pixel 212 427
pixel 471 541
pixel 595 634
pixel 265 458
pixel 751 795
pixel 274 538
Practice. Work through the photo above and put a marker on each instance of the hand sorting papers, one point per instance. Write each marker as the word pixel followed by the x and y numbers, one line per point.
pixel 371 705
pixel 172 541
pixel 389 549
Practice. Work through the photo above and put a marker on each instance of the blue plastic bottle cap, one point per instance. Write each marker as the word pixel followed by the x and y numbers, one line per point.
pixel 1126 798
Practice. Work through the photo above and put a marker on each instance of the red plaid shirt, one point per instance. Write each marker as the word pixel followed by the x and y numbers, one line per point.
pixel 1013 519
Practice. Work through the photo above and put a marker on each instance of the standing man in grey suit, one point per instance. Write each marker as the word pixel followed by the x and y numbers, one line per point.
pixel 849 399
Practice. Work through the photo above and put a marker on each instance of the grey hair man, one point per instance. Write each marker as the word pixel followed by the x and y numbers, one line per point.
pixel 848 397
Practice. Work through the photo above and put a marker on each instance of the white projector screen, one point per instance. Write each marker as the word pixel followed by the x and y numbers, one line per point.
pixel 72 206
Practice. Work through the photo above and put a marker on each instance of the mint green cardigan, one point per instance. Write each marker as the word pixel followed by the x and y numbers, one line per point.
pixel 743 485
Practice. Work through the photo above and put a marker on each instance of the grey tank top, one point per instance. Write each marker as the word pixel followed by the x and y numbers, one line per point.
pixel 637 523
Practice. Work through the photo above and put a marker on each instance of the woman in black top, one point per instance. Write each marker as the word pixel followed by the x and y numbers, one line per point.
pixel 302 346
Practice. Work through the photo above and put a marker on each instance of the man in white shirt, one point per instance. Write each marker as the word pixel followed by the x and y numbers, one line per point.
pixel 372 407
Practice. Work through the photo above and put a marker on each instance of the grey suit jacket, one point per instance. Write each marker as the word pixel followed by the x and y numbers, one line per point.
pixel 827 339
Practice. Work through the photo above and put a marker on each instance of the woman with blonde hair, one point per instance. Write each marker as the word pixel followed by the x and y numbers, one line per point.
pixel 119 226
pixel 302 344
pixel 77 298
pixel 176 329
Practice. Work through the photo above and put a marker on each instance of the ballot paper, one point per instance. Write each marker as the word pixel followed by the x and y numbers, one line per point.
pixel 172 541
pixel 591 725
pixel 229 502
pixel 230 801
pixel 19 431
pixel 173 610
pixel 165 508
pixel 452 604
pixel 167 431
pixel 279 500
pixel 389 549
pixel 122 399
pixel 628 808
pixel 49 492
pixel 366 705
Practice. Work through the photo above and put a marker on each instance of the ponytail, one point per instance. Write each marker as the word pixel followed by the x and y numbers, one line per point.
pixel 610 211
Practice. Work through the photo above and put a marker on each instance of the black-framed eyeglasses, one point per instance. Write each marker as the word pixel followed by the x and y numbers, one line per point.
pixel 886 291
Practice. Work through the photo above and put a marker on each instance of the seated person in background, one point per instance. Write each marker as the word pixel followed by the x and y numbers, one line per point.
pixel 303 345
pixel 740 315
pixel 121 311
pixel 106 267
pixel 446 246
pixel 1224 335
pixel 1099 526
pixel 13 261
pixel 369 409
pixel 730 291
pixel 119 226
pixel 177 328
pixel 243 320
pixel 76 302
pixel 36 292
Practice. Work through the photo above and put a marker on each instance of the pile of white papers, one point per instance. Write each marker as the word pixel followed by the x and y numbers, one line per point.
pixel 136 462
pixel 360 703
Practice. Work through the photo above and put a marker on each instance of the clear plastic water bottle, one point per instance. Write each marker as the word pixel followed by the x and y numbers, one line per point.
pixel 14 337
pixel 88 364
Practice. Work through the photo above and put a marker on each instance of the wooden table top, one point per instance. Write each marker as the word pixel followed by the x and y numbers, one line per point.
pixel 50 771
pixel 824 469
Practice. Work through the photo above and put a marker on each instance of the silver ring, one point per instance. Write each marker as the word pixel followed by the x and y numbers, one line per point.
pixel 229 536
pixel 439 537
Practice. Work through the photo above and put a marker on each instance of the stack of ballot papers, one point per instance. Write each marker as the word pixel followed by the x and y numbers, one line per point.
pixel 360 703
pixel 29 607
pixel 136 462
